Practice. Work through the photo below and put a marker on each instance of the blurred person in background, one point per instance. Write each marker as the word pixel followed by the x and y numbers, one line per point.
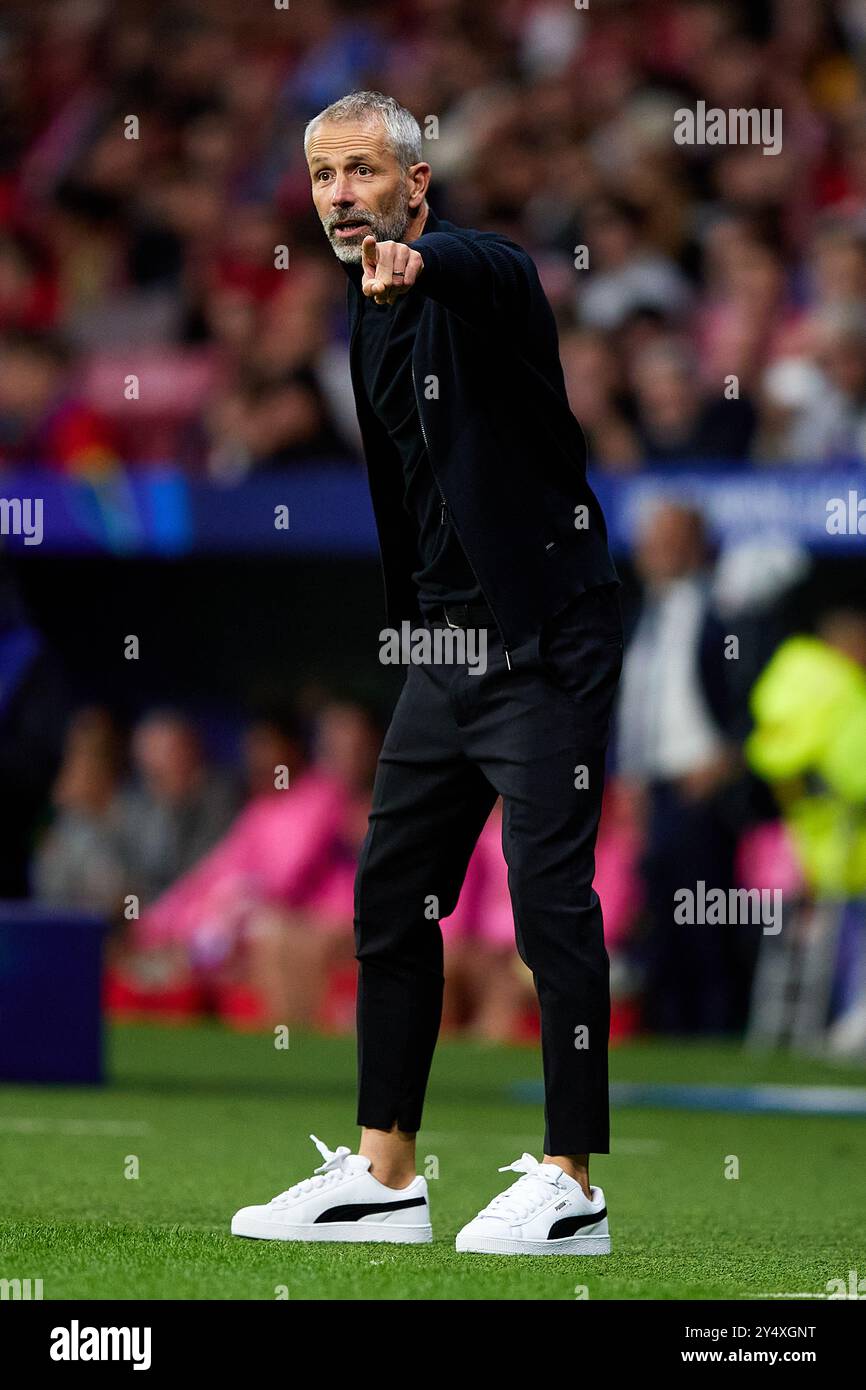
pixel 178 806
pixel 837 263
pixel 596 394
pixel 262 425
pixel 296 941
pixel 272 739
pixel 263 917
pixel 839 420
pixel 678 424
pixel 43 422
pixel 814 400
pixel 279 402
pixel 676 758
pixel 747 315
pixel 815 403
pixel 80 861
pixel 792 413
pixel 809 743
pixel 844 629
pixel 625 271
pixel 28 289
pixel 812 391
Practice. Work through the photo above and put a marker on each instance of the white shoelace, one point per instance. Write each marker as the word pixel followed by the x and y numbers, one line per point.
pixel 530 1192
pixel 327 1172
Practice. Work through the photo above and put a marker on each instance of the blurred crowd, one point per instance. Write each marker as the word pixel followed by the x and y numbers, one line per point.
pixel 156 225
pixel 226 869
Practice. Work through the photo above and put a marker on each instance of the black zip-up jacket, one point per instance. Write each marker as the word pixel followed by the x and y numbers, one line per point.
pixel 507 455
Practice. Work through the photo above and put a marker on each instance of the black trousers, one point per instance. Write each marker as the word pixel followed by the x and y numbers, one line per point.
pixel 536 735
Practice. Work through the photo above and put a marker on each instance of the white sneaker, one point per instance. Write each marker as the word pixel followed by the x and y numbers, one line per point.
pixel 544 1213
pixel 342 1201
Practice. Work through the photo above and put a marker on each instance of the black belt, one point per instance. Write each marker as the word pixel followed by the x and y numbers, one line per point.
pixel 463 615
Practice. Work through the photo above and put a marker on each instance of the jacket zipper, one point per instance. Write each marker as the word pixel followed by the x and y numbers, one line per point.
pixel 443 511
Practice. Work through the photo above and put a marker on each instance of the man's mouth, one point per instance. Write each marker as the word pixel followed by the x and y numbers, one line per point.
pixel 349 227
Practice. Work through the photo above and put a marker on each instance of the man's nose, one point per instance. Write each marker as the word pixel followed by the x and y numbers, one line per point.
pixel 342 194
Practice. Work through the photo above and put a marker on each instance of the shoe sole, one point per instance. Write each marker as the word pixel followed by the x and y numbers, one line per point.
pixel 360 1233
pixel 572 1245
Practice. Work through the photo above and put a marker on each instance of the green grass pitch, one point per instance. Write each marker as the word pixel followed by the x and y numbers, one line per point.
pixel 217 1120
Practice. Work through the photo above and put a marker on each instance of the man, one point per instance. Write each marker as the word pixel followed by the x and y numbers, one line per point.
pixel 42 419
pixel 678 758
pixel 179 808
pixel 486 523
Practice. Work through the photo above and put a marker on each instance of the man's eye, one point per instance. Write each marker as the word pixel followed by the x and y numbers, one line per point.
pixel 364 169
pixel 321 174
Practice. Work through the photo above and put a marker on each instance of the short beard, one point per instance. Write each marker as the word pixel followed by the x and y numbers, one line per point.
pixel 389 225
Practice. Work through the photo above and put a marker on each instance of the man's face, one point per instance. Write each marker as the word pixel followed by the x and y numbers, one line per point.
pixel 27 382
pixel 359 187
pixel 670 546
pixel 843 357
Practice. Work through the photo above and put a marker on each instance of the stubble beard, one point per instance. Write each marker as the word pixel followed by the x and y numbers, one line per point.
pixel 389 225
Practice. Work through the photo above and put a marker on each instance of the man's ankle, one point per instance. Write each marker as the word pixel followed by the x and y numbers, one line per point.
pixel 391 1154
pixel 574 1166
pixel 396 1178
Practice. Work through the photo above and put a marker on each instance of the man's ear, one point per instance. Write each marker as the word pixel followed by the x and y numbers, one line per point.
pixel 420 176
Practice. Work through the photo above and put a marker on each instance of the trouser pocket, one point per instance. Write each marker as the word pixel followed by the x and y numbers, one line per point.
pixel 581 649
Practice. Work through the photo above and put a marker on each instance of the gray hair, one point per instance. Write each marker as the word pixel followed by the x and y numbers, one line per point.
pixel 401 128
